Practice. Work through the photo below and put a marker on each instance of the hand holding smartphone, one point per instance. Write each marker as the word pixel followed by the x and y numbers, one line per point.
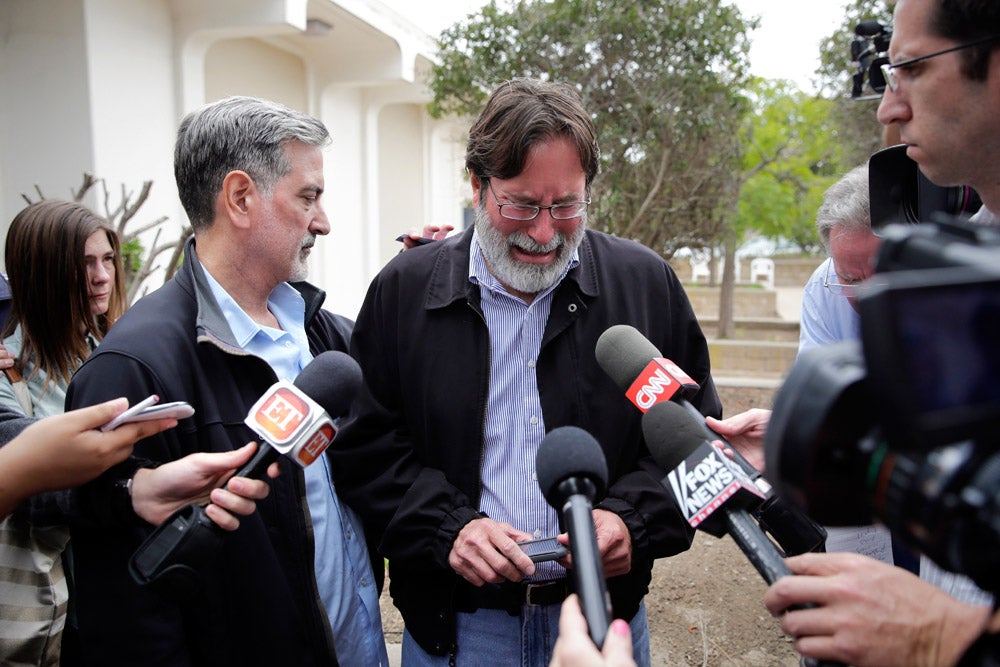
pixel 147 410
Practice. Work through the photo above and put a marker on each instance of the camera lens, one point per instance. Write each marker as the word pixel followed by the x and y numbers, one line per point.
pixel 875 78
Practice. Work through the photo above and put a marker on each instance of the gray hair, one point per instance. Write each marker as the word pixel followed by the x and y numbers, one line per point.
pixel 236 134
pixel 845 203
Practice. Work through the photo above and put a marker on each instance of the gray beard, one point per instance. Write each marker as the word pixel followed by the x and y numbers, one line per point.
pixel 522 276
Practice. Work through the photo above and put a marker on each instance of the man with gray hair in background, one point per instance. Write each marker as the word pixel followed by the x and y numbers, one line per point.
pixel 294 585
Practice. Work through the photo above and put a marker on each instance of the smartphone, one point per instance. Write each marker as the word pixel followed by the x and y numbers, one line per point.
pixel 143 411
pixel 423 240
pixel 544 549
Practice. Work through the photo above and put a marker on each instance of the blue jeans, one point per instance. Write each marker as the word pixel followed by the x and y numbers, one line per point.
pixel 494 637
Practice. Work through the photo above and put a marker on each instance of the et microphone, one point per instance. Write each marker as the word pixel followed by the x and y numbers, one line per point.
pixel 572 473
pixel 293 420
pixel 638 367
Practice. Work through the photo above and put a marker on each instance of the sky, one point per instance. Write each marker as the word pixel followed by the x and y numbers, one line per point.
pixel 786 45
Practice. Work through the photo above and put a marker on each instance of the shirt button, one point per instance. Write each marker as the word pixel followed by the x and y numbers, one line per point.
pixel 531 363
pixel 533 420
pixel 537 534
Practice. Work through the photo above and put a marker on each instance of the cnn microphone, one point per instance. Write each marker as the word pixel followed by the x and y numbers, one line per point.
pixel 293 420
pixel 572 473
pixel 647 378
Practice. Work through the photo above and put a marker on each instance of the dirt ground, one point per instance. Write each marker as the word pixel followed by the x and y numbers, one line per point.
pixel 704 605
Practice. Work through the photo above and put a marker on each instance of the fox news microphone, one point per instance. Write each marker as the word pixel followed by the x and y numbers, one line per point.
pixel 572 473
pixel 636 366
pixel 293 420
pixel 712 492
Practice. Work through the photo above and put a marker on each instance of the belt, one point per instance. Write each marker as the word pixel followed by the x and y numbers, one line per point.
pixel 511 596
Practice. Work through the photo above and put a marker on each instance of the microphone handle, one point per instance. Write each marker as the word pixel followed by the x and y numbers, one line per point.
pixel 587 572
pixel 755 544
pixel 765 558
pixel 256 468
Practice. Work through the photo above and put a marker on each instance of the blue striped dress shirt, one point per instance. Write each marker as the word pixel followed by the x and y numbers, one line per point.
pixel 514 422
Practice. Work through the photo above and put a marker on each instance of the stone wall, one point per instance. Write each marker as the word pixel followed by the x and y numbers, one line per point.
pixel 789 271
pixel 748 302
pixel 756 359
pixel 795 271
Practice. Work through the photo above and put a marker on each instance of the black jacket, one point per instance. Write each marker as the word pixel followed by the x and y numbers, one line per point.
pixel 260 605
pixel 408 461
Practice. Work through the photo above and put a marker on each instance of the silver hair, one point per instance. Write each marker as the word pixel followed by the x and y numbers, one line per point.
pixel 845 203
pixel 237 133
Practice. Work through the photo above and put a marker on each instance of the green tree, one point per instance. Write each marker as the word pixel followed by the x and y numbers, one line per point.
pixel 793 153
pixel 662 79
pixel 790 155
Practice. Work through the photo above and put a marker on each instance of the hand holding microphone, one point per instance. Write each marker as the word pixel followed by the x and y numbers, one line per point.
pixel 293 420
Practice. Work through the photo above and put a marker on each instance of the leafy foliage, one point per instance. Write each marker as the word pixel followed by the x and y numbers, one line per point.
pixel 662 78
pixel 793 153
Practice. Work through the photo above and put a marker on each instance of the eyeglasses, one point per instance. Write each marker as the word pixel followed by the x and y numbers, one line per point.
pixel 889 70
pixel 524 212
pixel 832 283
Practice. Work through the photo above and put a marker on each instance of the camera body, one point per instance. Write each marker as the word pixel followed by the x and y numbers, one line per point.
pixel 903 426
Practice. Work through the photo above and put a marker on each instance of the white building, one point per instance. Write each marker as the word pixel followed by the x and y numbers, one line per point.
pixel 101 85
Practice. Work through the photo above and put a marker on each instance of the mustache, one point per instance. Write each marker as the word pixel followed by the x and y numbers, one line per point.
pixel 524 242
pixel 308 242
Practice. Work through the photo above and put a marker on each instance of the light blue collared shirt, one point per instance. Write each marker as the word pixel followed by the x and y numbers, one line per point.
pixel 343 570
pixel 514 422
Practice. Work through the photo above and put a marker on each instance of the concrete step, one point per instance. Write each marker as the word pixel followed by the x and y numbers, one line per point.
pixel 755 328
pixel 768 360
pixel 748 302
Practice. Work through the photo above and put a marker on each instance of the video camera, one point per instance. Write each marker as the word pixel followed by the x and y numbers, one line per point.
pixel 900 193
pixel 869 51
pixel 904 426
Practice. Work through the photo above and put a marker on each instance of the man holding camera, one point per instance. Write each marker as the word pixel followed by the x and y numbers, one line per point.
pixel 943 94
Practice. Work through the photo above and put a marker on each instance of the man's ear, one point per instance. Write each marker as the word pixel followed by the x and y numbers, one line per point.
pixel 239 193
pixel 477 189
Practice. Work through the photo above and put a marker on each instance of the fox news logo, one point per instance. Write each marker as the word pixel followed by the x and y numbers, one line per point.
pixel 703 488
